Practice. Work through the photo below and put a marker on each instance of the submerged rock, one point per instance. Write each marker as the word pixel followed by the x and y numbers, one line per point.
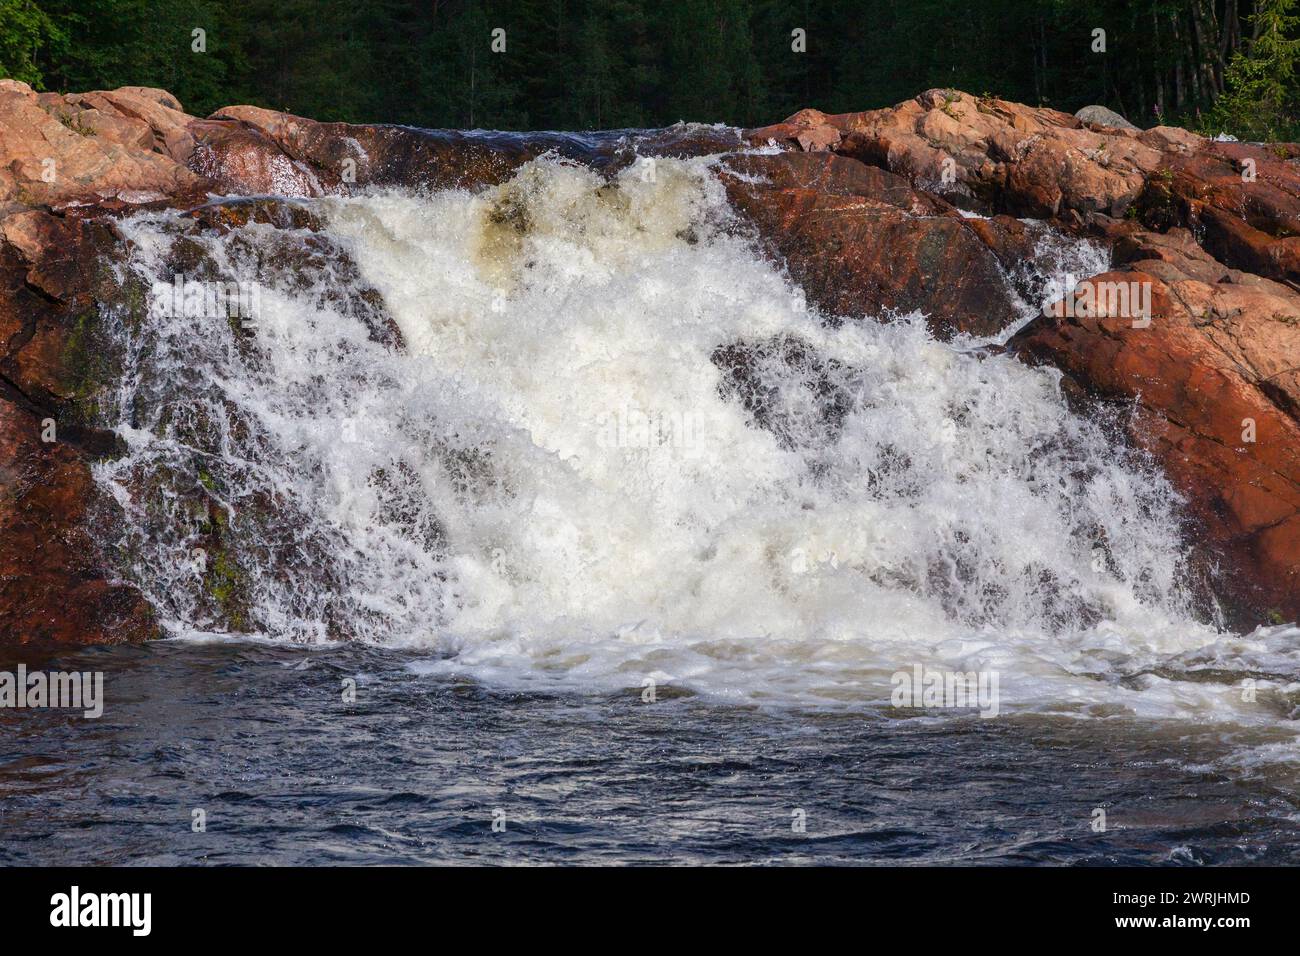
pixel 751 374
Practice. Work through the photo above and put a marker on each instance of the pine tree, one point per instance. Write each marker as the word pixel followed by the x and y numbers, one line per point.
pixel 1260 100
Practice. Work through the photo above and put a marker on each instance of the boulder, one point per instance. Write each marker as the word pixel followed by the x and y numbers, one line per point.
pixel 1102 116
pixel 238 159
pixel 85 148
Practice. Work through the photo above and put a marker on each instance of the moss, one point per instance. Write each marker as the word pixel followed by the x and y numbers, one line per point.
pixel 135 298
pixel 78 358
pixel 226 580
pixel 1275 617
pixel 227 583
pixel 87 368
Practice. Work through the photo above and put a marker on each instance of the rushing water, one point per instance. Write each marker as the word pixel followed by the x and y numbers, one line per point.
pixel 257 736
pixel 627 540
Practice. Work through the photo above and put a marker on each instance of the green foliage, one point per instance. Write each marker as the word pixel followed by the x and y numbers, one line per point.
pixel 103 44
pixel 24 30
pixel 1261 100
pixel 580 64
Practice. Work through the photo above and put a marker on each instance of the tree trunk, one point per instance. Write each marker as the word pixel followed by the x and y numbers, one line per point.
pixel 1179 52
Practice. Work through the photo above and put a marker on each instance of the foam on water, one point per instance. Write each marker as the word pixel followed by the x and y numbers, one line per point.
pixel 619 446
pixel 1058 262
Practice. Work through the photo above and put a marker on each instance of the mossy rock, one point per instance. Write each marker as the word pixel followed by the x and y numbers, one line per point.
pixel 226 581
pixel 229 214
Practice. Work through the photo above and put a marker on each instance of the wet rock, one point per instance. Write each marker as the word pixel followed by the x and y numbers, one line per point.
pixel 679 141
pixel 861 208
pixel 240 160
pixel 862 241
pixel 1213 227
pixel 296 156
pixel 55 583
pixel 1214 387
pixel 227 214
pixel 52 586
pixel 787 388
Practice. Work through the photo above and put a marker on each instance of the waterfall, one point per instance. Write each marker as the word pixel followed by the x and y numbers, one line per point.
pixel 576 430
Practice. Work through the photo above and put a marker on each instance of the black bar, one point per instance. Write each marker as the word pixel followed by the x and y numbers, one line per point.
pixel 651 906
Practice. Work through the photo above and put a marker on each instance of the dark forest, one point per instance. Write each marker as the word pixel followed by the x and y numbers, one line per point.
pixel 579 64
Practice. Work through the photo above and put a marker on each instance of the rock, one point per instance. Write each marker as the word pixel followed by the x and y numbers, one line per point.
pixel 680 141
pixel 809 130
pixel 1172 138
pixel 313 266
pixel 1214 227
pixel 82 149
pixel 52 587
pixel 1102 116
pixel 55 586
pixel 861 241
pixel 223 215
pixel 159 111
pixel 239 159
pixel 993 156
pixel 861 208
pixel 1216 389
pixel 988 154
pixel 1245 200
pixel 333 156
pixel 750 376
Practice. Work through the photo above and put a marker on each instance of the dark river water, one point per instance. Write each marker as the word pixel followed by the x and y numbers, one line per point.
pixel 415 771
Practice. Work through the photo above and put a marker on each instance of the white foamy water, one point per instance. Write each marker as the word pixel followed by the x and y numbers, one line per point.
pixel 560 480
pixel 1058 262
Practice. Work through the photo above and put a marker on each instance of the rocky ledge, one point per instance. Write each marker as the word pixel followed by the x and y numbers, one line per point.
pixel 932 205
pixel 1211 376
